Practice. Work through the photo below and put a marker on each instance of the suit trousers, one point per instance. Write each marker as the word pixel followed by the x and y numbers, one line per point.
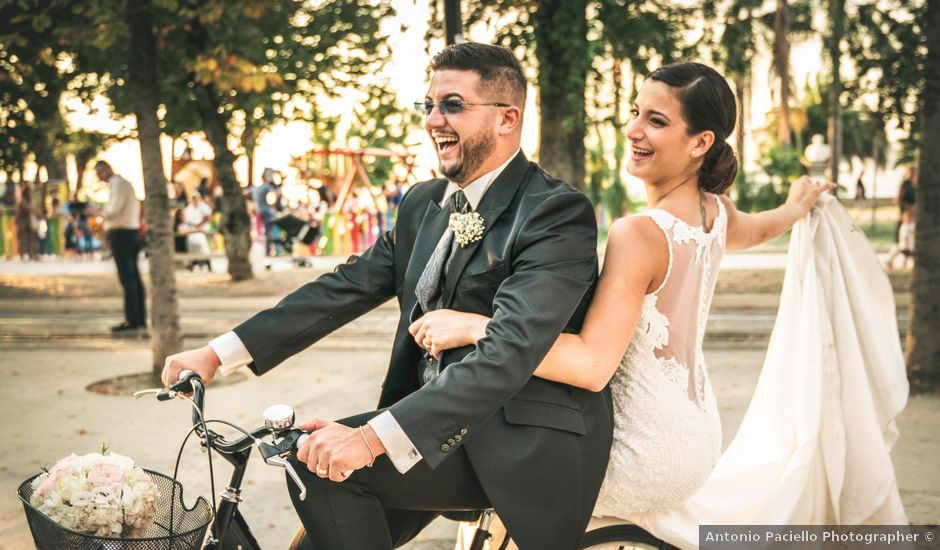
pixel 380 508
pixel 125 247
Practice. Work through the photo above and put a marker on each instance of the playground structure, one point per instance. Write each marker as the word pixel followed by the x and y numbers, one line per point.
pixel 357 210
pixel 190 172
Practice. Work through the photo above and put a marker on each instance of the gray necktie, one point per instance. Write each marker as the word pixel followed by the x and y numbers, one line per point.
pixel 429 284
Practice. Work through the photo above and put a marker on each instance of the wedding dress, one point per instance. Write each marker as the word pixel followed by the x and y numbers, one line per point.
pixel 813 447
pixel 667 433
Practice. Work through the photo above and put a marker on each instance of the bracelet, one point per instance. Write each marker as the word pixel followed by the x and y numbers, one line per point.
pixel 363 434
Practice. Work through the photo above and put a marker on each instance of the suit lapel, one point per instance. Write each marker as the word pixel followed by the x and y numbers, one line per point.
pixel 430 230
pixel 494 202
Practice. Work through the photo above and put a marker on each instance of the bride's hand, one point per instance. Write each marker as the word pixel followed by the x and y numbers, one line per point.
pixel 804 193
pixel 447 329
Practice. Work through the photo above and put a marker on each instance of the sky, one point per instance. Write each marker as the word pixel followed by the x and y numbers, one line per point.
pixel 406 70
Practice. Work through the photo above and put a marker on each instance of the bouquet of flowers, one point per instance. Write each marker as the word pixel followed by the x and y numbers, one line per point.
pixel 102 493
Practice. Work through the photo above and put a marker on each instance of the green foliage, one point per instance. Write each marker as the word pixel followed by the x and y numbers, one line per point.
pixel 615 200
pixel 379 122
pixel 886 41
pixel 782 165
pixel 255 58
pixel 33 75
pixel 87 145
pixel 753 196
pixel 599 172
pixel 748 26
pixel 863 130
pixel 910 146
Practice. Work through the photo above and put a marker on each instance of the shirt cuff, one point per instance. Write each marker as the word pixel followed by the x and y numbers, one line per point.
pixel 398 445
pixel 231 352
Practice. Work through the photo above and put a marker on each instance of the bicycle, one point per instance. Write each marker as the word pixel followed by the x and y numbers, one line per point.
pixel 229 528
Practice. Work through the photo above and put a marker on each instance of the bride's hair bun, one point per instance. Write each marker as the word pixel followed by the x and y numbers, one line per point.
pixel 718 169
pixel 707 105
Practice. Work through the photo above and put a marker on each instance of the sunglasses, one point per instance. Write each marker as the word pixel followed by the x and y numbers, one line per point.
pixel 451 106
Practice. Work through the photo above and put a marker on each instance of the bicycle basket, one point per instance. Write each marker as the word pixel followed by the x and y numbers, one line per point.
pixel 186 532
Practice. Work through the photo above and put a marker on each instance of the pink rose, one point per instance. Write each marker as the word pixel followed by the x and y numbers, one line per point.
pixel 105 475
pixel 66 466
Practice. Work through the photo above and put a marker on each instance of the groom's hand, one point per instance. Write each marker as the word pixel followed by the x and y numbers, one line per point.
pixel 335 451
pixel 444 329
pixel 203 361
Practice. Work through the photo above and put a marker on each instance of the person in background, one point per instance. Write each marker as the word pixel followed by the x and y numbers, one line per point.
pixel 26 219
pixel 907 196
pixel 203 188
pixel 267 197
pixel 393 195
pixel 906 200
pixel 860 194
pixel 122 225
pixel 178 194
pixel 196 217
pixel 905 245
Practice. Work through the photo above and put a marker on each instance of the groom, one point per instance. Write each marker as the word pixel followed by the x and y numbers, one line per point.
pixel 473 429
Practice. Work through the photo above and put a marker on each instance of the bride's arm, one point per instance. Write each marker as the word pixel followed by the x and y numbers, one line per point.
pixel 747 230
pixel 636 258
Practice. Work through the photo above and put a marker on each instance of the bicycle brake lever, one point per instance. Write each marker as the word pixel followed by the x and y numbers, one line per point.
pixel 283 463
pixel 163 394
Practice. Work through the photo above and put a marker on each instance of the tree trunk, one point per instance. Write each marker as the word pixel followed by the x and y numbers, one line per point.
pixel 782 66
pixel 251 167
pixel 740 89
pixel 923 346
pixel 57 169
pixel 837 24
pixel 561 48
pixel 249 142
pixel 235 224
pixel 142 83
pixel 620 141
pixel 81 165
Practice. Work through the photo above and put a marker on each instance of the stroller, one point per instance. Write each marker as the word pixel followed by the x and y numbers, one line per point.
pixel 295 231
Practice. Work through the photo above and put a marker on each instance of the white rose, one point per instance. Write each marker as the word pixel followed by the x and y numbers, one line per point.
pixel 66 486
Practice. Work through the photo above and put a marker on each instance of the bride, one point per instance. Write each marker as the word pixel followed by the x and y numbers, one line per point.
pixel 643 333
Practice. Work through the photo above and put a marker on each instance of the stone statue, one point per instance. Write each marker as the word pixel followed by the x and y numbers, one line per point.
pixel 817 155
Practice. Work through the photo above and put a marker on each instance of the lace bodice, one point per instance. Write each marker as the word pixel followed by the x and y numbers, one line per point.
pixel 667 434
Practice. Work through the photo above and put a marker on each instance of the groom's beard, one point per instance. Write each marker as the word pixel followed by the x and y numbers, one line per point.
pixel 472 153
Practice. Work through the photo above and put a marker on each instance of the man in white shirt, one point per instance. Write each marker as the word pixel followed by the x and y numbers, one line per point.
pixel 122 224
pixel 470 428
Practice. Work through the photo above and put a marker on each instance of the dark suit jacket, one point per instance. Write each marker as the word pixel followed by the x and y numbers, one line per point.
pixel 539 448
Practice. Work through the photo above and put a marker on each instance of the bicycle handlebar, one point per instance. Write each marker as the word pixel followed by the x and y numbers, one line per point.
pixel 274 454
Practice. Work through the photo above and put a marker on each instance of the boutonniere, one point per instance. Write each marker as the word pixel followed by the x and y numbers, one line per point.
pixel 467 227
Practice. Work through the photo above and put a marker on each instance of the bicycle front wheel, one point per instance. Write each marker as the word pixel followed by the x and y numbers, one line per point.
pixel 620 537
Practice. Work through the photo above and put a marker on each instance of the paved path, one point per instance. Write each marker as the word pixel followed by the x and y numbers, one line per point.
pixel 58 266
pixel 53 348
pixel 49 414
pixel 736 319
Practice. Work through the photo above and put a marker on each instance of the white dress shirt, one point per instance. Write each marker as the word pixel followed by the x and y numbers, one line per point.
pixel 123 208
pixel 233 354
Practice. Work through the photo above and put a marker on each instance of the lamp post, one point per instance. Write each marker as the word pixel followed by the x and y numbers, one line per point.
pixel 453 27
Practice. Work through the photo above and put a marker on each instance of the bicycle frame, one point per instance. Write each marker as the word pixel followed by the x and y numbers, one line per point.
pixel 229 524
pixel 229 528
